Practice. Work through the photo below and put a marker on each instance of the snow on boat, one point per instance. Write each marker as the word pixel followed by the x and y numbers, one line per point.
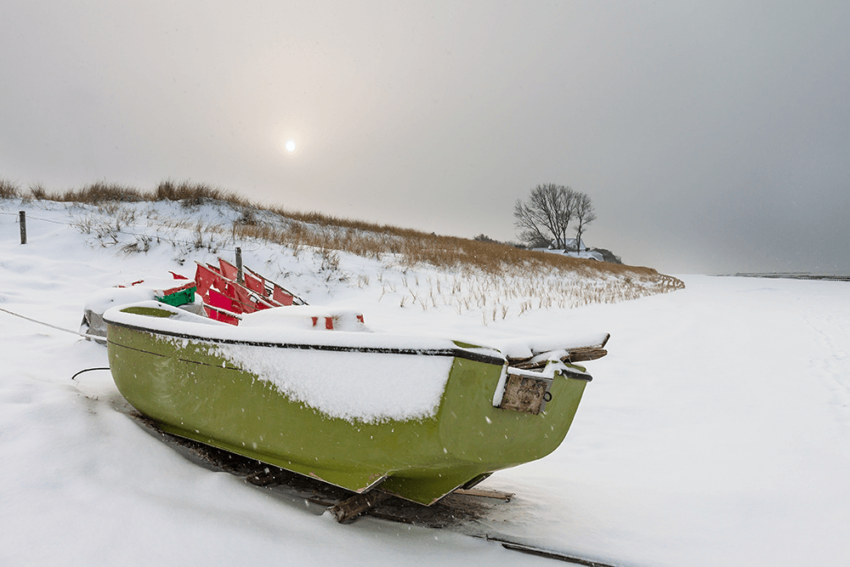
pixel 178 291
pixel 315 392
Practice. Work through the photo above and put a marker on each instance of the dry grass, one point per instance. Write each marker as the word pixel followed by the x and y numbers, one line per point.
pixel 413 248
pixel 513 293
pixel 496 279
pixel 99 193
pixel 195 194
pixel 8 190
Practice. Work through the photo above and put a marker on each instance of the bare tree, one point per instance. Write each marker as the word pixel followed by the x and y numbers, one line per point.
pixel 584 214
pixel 546 215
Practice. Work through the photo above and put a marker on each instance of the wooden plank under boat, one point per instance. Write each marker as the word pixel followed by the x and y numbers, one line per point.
pixel 210 382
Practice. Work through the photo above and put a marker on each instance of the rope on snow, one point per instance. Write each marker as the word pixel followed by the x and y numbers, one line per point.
pixel 84 335
pixel 88 370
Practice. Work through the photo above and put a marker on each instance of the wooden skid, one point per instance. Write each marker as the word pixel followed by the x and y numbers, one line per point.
pixel 350 508
pixel 484 493
pixel 459 510
pixel 454 509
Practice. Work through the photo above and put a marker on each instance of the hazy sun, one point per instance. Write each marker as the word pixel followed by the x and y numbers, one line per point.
pixel 290 146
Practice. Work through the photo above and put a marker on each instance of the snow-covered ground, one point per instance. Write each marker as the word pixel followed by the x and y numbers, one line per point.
pixel 584 254
pixel 716 432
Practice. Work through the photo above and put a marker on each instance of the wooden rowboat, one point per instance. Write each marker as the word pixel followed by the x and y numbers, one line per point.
pixel 419 417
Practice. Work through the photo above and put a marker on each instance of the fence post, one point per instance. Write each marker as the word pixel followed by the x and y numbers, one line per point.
pixel 23 217
pixel 239 277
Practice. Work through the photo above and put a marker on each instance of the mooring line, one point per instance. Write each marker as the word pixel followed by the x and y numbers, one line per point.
pixel 84 335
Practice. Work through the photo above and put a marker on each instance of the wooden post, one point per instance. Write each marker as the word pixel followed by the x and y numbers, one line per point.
pixel 23 217
pixel 239 278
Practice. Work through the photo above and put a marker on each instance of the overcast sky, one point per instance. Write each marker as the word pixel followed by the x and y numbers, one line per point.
pixel 712 136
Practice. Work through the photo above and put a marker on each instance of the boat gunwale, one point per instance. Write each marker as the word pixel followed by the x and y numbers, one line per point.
pixel 448 352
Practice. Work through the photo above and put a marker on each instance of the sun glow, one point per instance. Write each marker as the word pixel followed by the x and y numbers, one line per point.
pixel 290 146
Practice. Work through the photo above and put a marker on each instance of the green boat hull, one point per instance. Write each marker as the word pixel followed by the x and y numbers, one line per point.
pixel 191 391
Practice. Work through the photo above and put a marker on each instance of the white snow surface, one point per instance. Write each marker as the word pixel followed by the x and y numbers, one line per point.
pixel 715 432
pixel 584 254
pixel 301 316
pixel 103 299
pixel 355 386
pixel 126 293
pixel 185 323
pixel 523 347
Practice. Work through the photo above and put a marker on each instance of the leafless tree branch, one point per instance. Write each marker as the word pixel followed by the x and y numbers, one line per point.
pixel 547 214
pixel 584 213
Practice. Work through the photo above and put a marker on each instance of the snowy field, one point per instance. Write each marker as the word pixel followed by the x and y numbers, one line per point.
pixel 716 432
